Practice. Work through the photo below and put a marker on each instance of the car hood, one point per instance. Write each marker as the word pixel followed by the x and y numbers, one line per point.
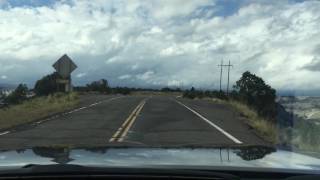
pixel 254 156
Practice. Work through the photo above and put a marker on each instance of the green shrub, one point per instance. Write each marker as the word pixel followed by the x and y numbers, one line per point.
pixel 121 90
pixel 18 95
pixel 99 86
pixel 47 85
pixel 190 93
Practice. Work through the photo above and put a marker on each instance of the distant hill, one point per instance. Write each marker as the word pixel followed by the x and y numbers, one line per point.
pixel 6 86
pixel 315 92
pixel 305 107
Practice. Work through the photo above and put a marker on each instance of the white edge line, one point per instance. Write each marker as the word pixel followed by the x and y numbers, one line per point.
pixel 94 104
pixel 107 100
pixel 3 133
pixel 212 124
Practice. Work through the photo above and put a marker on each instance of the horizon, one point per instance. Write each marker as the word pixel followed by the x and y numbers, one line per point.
pixel 280 93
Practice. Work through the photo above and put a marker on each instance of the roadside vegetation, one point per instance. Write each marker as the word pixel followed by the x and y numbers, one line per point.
pixel 255 101
pixel 102 86
pixel 24 105
pixel 37 108
pixel 264 128
pixel 18 95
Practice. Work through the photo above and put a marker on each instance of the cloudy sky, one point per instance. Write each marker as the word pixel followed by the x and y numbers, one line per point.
pixel 162 43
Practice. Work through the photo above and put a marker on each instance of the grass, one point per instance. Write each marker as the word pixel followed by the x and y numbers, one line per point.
pixel 37 108
pixel 264 128
pixel 303 136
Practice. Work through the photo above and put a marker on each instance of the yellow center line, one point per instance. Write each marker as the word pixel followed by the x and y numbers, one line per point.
pixel 125 132
pixel 117 135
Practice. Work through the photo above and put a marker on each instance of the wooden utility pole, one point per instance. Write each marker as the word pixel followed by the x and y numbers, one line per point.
pixel 221 69
pixel 229 65
pixel 221 65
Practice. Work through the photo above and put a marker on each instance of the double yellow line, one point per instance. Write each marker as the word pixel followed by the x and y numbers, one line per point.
pixel 125 127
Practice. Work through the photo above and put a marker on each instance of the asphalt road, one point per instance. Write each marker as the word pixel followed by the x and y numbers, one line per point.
pixel 153 121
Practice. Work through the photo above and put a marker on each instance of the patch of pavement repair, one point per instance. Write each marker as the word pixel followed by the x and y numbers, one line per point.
pixel 52 117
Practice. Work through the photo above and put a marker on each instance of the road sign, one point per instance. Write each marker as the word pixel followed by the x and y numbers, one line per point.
pixel 63 81
pixel 65 66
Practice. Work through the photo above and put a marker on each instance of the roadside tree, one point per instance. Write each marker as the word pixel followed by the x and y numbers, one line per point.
pixel 47 85
pixel 256 93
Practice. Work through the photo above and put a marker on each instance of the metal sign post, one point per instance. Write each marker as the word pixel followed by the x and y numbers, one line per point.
pixel 64 67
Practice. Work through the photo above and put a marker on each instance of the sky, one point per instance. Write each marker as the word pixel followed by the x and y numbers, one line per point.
pixel 175 43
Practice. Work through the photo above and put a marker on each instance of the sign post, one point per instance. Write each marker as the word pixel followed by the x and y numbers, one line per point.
pixel 64 67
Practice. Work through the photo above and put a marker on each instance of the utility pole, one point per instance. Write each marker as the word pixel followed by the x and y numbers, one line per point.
pixel 221 65
pixel 221 69
pixel 229 65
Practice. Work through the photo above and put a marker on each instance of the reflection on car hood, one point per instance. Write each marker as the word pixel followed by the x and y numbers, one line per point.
pixel 255 156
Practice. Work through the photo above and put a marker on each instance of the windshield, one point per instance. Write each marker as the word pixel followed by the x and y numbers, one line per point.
pixel 179 82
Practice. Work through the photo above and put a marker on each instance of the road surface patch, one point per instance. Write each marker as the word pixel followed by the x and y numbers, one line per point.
pixel 235 140
pixel 125 127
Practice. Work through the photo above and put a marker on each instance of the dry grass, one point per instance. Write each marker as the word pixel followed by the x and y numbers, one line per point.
pixel 303 136
pixel 37 108
pixel 263 127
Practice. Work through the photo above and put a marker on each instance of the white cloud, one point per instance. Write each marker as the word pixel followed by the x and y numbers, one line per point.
pixel 171 51
pixel 155 30
pixel 126 76
pixel 81 75
pixel 162 43
pixel 4 77
pixel 145 76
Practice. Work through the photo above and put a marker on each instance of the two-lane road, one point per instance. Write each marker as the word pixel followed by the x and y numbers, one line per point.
pixel 157 121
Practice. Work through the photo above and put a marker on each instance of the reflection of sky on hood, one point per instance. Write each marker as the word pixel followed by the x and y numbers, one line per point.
pixel 192 157
pixel 13 158
pixel 138 157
